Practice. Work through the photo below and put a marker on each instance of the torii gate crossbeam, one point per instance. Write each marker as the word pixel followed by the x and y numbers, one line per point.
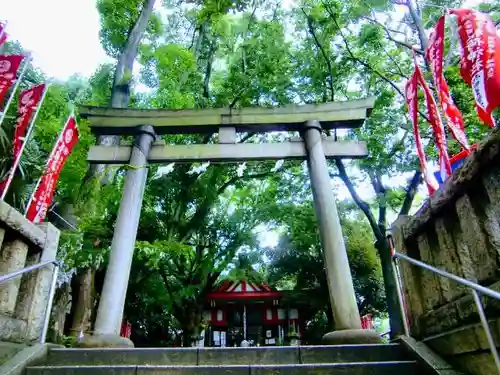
pixel 309 120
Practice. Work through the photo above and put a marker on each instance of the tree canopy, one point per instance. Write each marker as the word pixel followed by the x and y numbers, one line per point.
pixel 204 222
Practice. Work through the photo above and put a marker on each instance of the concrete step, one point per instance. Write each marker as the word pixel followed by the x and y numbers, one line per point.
pixel 227 356
pixel 357 368
pixel 9 350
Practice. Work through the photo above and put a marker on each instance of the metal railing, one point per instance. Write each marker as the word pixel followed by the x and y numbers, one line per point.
pixel 52 290
pixel 476 290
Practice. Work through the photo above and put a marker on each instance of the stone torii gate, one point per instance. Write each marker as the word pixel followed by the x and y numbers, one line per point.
pixel 147 124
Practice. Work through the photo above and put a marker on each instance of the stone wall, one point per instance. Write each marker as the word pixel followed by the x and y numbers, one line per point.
pixel 458 230
pixel 23 300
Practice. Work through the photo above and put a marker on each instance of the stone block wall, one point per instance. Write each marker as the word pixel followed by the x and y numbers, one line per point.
pixel 458 230
pixel 23 300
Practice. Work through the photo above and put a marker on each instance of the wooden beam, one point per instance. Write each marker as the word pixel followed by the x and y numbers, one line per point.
pixel 225 152
pixel 122 121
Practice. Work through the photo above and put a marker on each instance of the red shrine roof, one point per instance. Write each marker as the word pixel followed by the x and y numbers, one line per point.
pixel 233 290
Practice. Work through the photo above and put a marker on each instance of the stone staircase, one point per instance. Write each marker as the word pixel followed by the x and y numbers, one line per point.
pixel 9 350
pixel 390 359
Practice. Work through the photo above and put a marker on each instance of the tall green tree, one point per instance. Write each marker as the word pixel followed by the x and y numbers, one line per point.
pixel 124 25
pixel 196 218
pixel 375 42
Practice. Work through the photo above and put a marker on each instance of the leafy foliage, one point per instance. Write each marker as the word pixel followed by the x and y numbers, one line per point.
pixel 199 222
pixel 117 20
pixel 299 258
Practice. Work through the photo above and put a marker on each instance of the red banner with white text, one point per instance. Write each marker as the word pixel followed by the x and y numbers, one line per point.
pixel 44 191
pixel 28 102
pixel 436 124
pixel 3 34
pixel 434 56
pixel 480 60
pixel 412 101
pixel 9 65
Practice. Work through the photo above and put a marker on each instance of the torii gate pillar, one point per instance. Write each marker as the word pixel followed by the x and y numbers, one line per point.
pixel 119 121
pixel 338 273
pixel 114 291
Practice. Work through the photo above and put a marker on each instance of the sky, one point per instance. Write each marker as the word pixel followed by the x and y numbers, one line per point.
pixel 63 35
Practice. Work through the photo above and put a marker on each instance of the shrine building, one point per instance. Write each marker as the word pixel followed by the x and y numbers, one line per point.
pixel 242 310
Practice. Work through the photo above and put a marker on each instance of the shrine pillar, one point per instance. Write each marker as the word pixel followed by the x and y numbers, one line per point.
pixel 112 301
pixel 338 273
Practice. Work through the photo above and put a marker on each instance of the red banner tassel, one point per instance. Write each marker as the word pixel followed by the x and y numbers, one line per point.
pixel 412 101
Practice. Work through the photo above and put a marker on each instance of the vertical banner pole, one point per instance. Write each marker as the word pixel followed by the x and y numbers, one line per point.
pixel 3 114
pixel 12 171
pixel 33 194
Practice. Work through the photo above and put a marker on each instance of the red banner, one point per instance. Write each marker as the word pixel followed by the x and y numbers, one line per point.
pixel 434 56
pixel 480 60
pixel 412 101
pixel 367 322
pixel 9 65
pixel 436 124
pixel 126 329
pixel 44 191
pixel 28 102
pixel 3 34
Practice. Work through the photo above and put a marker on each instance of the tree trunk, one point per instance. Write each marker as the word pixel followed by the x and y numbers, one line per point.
pixel 329 317
pixel 120 92
pixel 83 302
pixel 417 20
pixel 191 323
pixel 395 317
pixel 120 98
pixel 62 299
pixel 390 286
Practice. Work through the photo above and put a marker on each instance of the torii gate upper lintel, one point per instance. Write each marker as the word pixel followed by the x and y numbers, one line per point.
pixel 146 124
pixel 122 121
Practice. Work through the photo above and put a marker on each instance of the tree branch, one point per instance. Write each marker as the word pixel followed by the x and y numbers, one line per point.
pixel 494 8
pixel 247 137
pixel 177 310
pixel 417 21
pixel 208 70
pixel 193 38
pixel 120 94
pixel 244 177
pixel 400 71
pixel 323 53
pixel 206 139
pixel 167 284
pixel 237 97
pixel 363 206
pixel 198 218
pixel 201 29
pixel 411 191
pixel 391 37
pixel 368 66
pixel 381 192
pixel 398 144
